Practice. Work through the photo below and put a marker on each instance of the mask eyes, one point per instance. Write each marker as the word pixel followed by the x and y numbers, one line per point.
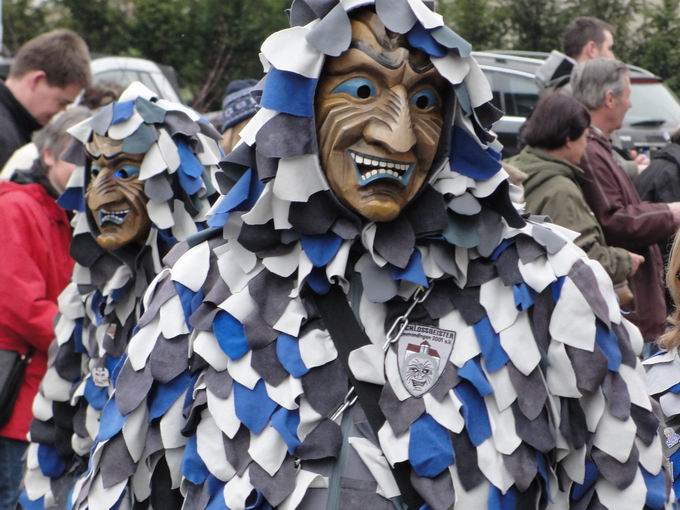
pixel 126 171
pixel 359 88
pixel 424 99
pixel 94 170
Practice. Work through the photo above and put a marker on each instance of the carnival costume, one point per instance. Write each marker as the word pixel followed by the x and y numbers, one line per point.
pixel 505 374
pixel 142 185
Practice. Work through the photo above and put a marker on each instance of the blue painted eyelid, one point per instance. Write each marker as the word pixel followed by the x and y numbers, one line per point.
pixel 131 171
pixel 353 85
pixel 428 93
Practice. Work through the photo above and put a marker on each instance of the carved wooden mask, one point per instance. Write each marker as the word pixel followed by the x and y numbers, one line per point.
pixel 379 120
pixel 115 195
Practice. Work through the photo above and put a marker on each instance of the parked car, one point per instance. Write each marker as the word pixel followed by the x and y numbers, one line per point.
pixel 647 126
pixel 123 71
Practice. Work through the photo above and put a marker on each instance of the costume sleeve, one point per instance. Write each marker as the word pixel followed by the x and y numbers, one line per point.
pixel 572 211
pixel 25 310
pixel 630 226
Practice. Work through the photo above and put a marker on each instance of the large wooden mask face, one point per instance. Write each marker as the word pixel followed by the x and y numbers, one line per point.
pixel 379 120
pixel 115 196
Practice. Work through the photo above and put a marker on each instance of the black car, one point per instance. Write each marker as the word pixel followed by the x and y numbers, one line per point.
pixel 655 113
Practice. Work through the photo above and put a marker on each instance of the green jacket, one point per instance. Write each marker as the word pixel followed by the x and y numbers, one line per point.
pixel 551 188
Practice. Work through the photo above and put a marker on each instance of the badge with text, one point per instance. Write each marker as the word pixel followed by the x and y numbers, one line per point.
pixel 423 352
pixel 100 377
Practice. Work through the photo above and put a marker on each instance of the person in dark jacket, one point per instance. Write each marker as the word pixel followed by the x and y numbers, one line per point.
pixel 46 75
pixel 603 86
pixel 36 266
pixel 661 181
pixel 556 135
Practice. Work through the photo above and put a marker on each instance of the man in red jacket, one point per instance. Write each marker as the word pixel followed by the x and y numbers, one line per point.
pixel 603 86
pixel 35 268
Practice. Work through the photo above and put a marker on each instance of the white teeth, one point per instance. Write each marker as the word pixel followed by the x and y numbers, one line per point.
pixel 390 165
pixel 359 159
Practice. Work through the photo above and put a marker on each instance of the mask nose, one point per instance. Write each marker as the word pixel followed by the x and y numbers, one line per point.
pixel 391 126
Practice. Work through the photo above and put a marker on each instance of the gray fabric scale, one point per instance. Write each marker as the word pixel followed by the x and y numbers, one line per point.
pixel 158 188
pixel 236 449
pixel 266 167
pixel 592 367
pixel 270 292
pixel 203 317
pixel 258 333
pixel 274 488
pixel 427 215
pixel 266 363
pixel 628 356
pixel 286 136
pixel 480 271
pixel 616 393
pixel 445 383
pixel 346 229
pixel 465 204
pixel 141 140
pixel 219 383
pixel 150 112
pixel 197 496
pixel 218 293
pixel 177 122
pixel 539 320
pixel 400 415
pixel 75 153
pixel 507 266
pixel 322 442
pixel 537 433
pixel 67 361
pixel 164 291
pixel 333 34
pixel 169 358
pixel 396 15
pixel 584 279
pixel 132 387
pixel 466 302
pixel 521 464
pixel 437 492
pixel 101 121
pixel 531 391
pixel 528 249
pixel 438 303
pixel 120 465
pixel 490 232
pixel 619 474
pixel 395 241
pixel 325 387
pixel 316 216
pixel 573 425
pixel 467 464
pixel 547 238
pixel 646 422
pixel 175 253
pixel 378 284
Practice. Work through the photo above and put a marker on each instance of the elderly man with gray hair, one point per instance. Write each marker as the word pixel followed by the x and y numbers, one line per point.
pixel 603 86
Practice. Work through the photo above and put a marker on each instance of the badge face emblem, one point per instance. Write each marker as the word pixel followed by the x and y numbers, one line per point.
pixel 423 352
pixel 100 377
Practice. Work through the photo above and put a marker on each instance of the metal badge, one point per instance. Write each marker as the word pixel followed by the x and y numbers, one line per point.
pixel 100 377
pixel 423 352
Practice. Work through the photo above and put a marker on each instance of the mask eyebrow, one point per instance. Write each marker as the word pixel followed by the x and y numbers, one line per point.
pixel 379 56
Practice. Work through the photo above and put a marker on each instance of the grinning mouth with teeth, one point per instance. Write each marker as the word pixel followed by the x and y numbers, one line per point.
pixel 115 217
pixel 372 168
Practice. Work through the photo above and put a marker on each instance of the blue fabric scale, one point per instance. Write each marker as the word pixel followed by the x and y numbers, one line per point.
pixel 524 296
pixel 50 462
pixel 241 197
pixel 580 490
pixel 288 352
pixel 320 249
pixel 556 288
pixel 29 504
pixel 77 336
pixel 72 199
pixel 607 340
pixel 288 92
pixel 122 111
pixel 473 373
pixel 95 395
pixel 499 501
pixel 253 407
pixel 318 281
pixel 675 389
pixel 474 413
pixel 190 169
pixel 656 489
pixel 471 159
pixel 494 355
pixel 163 396
pixel 505 244
pixel 413 272
pixel 429 449
pixel 419 37
pixel 286 424
pixel 193 468
pixel 110 423
pixel 114 365
pixel 231 335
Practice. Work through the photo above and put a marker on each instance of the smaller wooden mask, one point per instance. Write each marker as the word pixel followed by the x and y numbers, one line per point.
pixel 115 196
pixel 379 120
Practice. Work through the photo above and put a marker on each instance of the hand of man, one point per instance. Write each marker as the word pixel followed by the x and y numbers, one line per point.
pixel 635 261
pixel 641 160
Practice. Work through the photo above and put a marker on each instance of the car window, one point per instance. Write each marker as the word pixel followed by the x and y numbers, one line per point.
pixel 515 95
pixel 652 102
pixel 125 77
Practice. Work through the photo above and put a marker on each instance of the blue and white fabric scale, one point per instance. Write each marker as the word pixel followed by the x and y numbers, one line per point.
pixel 103 303
pixel 540 402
